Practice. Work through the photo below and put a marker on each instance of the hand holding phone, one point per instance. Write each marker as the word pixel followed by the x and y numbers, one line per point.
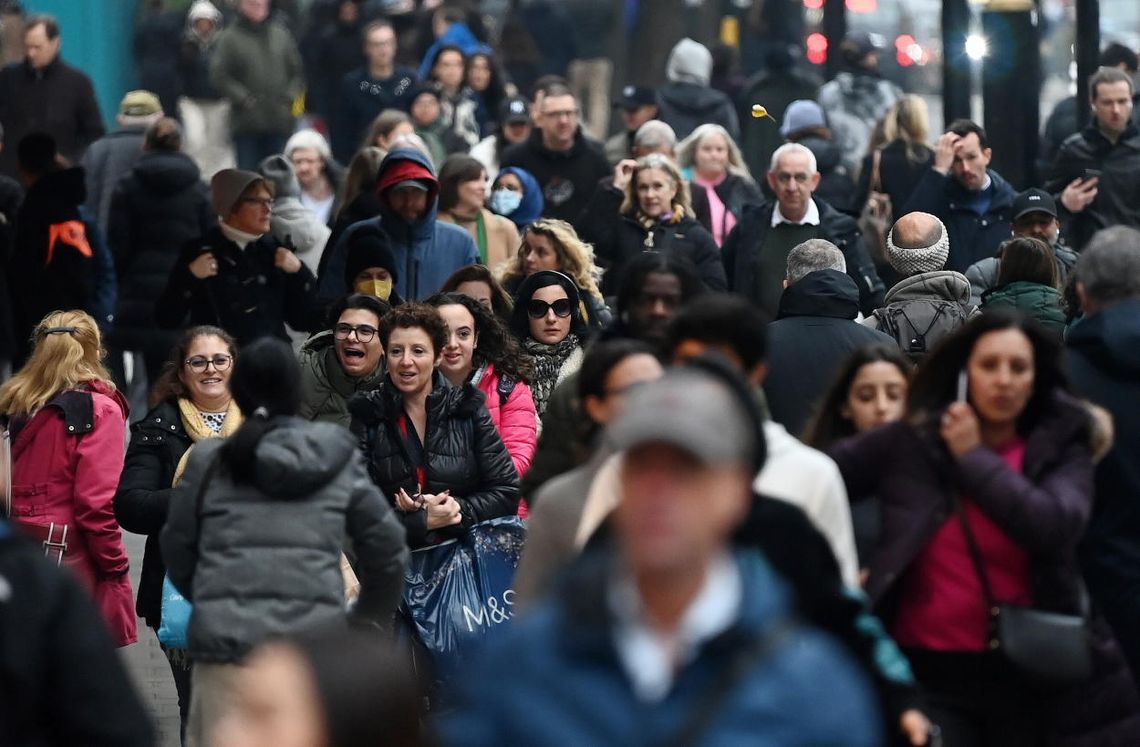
pixel 963 386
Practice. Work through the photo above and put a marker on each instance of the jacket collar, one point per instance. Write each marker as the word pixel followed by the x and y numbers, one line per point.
pixel 824 293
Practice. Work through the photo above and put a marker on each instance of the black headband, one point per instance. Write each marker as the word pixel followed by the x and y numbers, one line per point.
pixel 57 331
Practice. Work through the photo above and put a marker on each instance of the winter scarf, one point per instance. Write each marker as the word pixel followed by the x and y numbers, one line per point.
pixel 198 430
pixel 548 361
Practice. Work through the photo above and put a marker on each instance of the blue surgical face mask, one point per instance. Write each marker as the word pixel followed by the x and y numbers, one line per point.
pixel 505 201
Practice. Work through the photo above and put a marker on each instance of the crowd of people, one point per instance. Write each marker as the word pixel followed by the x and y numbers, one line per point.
pixel 818 430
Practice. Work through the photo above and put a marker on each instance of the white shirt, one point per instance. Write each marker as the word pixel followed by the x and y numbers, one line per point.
pixel 319 208
pixel 811 217
pixel 652 659
pixel 241 238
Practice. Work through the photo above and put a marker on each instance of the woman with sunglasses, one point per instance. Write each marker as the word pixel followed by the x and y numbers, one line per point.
pixel 191 402
pixel 548 320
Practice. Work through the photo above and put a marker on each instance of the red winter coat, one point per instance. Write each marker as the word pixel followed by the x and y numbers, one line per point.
pixel 66 463
pixel 514 417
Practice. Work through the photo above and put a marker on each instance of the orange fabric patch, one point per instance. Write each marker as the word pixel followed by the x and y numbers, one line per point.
pixel 71 233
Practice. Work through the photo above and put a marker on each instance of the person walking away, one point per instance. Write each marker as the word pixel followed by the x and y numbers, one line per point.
pixel 293 224
pixel 110 157
pixel 320 176
pixel 591 70
pixel 1027 282
pixel 686 100
pixel 157 36
pixel 804 123
pixel 204 111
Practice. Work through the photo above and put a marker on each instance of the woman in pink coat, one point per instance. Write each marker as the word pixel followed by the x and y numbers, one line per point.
pixel 68 428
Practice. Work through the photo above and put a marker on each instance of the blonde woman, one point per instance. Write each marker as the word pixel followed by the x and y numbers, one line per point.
pixel 904 155
pixel 68 427
pixel 648 210
pixel 551 244
pixel 712 163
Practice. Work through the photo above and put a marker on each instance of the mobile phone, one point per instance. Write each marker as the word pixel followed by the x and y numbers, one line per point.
pixel 1092 173
pixel 963 385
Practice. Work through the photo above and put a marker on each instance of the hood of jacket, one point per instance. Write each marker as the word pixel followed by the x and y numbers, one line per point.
pixel 690 98
pixel 407 163
pixel 1032 298
pixel 62 191
pixel 689 62
pixel 1110 339
pixel 530 209
pixel 387 403
pixel 166 173
pixel 319 364
pixel 944 285
pixel 298 457
pixel 827 153
pixel 828 293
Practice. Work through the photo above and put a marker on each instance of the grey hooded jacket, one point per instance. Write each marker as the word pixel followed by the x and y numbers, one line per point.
pixel 263 559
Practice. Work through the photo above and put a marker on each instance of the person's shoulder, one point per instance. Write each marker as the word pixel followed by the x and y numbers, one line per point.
pixel 452 233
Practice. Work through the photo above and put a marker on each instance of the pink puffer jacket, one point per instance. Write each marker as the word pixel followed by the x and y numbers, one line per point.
pixel 514 415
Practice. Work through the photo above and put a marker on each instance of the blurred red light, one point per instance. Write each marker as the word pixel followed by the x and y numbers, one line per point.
pixel 817 48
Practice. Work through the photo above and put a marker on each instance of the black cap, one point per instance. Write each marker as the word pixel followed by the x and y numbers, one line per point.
pixel 634 97
pixel 1034 201
pixel 515 109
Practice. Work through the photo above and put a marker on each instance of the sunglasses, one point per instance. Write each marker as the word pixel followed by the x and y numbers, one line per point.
pixel 537 309
pixel 199 363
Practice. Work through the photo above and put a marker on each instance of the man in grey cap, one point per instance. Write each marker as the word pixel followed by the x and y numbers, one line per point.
pixel 1034 216
pixel 238 276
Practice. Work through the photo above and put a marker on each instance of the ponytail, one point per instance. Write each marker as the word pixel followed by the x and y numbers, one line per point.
pixel 266 383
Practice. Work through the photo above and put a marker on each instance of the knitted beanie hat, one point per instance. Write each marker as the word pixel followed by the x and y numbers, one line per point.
pixel 227 186
pixel 908 262
pixel 279 171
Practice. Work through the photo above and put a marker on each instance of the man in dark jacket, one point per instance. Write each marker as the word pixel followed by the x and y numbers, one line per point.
pixel 566 163
pixel 972 200
pixel 687 101
pixel 237 276
pixel 814 332
pixel 1096 176
pixel 638 105
pixel 1104 365
pixel 756 252
pixel 110 157
pixel 45 94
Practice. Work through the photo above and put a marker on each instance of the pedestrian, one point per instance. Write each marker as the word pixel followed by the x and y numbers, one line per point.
pixel 512 125
pixel 868 392
pixel 156 208
pixel 638 105
pixel 256 65
pixel 426 250
pixel 191 402
pixel 804 123
pixel 357 200
pixel 486 84
pixel 547 320
pixel 371 267
pixel 426 112
pixel 292 223
pixel 204 111
pixel 45 94
pixel 333 51
pixel 988 512
pixel 388 126
pixel 780 82
pixel 686 100
pixel 430 446
pixel 712 163
pixel 110 157
pixel 755 253
pixel 591 71
pixel 238 276
pixel 279 493
pixel 554 245
pixel 319 175
pixel 971 199
pixel 448 66
pixel 479 283
pixel 814 332
pixel 1027 282
pixel 648 209
pixel 346 358
pixel 462 193
pixel 66 421
pixel 157 36
pixel 515 194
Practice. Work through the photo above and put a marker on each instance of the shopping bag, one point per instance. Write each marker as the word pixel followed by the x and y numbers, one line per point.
pixel 175 616
pixel 456 592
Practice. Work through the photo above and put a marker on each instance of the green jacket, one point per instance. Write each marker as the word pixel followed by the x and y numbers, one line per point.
pixel 325 387
pixel 1032 299
pixel 258 68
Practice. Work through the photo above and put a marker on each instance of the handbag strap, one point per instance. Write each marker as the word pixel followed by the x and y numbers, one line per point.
pixel 976 555
pixel 876 173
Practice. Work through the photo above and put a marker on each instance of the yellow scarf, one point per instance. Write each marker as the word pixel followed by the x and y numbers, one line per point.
pixel 197 429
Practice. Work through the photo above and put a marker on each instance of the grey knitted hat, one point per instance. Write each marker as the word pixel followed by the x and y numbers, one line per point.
pixel 226 187
pixel 908 262
pixel 279 171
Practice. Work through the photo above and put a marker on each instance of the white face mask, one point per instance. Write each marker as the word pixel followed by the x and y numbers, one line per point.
pixel 505 201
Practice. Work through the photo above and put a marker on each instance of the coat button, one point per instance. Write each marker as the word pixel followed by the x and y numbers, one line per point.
pixel 71 428
pixel 172 427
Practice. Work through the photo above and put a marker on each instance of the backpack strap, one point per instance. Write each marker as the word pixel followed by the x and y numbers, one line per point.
pixel 506 386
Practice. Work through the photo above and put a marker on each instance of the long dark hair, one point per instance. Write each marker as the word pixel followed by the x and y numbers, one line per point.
pixel 496 344
pixel 936 383
pixel 266 384
pixel 520 320
pixel 458 168
pixel 496 87
pixel 1027 259
pixel 501 302
pixel 827 424
pixel 169 386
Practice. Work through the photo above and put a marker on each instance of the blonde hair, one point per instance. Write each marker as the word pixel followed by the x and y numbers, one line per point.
pixel 909 121
pixel 68 352
pixel 575 257
pixel 681 200
pixel 687 150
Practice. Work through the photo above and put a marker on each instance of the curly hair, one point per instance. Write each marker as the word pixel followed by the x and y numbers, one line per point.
pixel 415 316
pixel 575 257
pixel 497 345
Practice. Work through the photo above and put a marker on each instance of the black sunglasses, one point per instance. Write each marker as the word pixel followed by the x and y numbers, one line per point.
pixel 538 309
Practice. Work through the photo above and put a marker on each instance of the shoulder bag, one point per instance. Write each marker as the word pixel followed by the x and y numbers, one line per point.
pixel 877 214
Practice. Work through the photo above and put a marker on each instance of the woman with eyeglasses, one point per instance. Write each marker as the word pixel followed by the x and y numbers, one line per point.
pixel 431 447
pixel 648 209
pixel 548 320
pixel 344 360
pixel 190 402
pixel 238 276
pixel 67 421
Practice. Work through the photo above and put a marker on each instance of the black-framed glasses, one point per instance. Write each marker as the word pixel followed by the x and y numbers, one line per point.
pixel 200 363
pixel 537 308
pixel 364 332
pixel 264 202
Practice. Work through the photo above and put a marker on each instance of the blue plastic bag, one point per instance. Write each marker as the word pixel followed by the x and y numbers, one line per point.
pixel 456 592
pixel 175 616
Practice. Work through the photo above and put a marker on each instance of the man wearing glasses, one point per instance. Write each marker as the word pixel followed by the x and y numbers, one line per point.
pixel 237 276
pixel 566 162
pixel 756 252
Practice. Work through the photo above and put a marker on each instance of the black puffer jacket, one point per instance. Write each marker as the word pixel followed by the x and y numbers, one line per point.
pixel 263 559
pixel 158 442
pixel 463 454
pixel 159 206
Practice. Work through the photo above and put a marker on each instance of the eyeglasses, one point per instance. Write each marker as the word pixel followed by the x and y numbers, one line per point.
pixel 364 332
pixel 538 309
pixel 264 202
pixel 200 363
pixel 561 114
pixel 784 178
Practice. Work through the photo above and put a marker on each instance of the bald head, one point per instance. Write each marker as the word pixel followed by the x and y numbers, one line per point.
pixel 916 230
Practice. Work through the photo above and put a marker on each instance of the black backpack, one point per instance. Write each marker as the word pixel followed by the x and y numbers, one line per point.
pixel 918 325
